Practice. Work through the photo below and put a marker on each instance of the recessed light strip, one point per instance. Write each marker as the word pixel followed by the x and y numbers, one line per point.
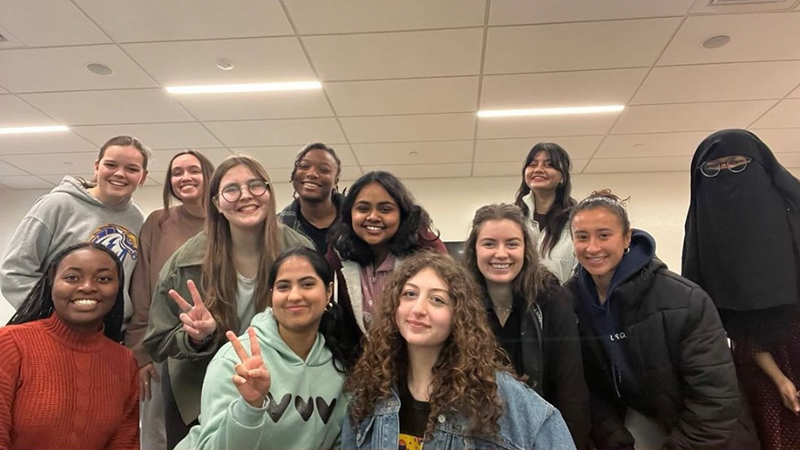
pixel 251 87
pixel 31 130
pixel 551 111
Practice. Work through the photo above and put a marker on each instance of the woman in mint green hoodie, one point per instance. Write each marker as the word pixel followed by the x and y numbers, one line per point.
pixel 286 393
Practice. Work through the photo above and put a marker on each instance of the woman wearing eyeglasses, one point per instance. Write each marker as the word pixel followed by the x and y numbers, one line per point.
pixel 742 245
pixel 217 281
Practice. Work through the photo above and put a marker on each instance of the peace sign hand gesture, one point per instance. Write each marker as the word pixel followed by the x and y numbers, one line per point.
pixel 198 323
pixel 252 378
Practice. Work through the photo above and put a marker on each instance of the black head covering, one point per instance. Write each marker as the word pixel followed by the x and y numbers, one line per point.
pixel 742 242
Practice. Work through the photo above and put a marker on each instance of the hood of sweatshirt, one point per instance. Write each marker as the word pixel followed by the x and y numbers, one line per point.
pixel 74 187
pixel 267 331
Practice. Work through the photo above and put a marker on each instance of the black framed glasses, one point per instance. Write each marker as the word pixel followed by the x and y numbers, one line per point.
pixel 233 192
pixel 735 164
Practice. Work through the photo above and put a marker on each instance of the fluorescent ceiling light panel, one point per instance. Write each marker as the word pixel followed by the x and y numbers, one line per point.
pixel 30 130
pixel 551 111
pixel 251 87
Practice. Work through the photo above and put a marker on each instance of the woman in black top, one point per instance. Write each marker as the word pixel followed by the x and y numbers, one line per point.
pixel 529 312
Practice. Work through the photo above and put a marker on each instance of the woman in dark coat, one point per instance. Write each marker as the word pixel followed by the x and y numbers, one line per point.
pixel 742 245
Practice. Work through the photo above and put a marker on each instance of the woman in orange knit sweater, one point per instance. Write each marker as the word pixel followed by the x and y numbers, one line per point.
pixel 65 381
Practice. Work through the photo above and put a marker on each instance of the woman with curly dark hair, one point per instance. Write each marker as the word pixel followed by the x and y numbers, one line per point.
pixel 530 312
pixel 432 374
pixel 380 224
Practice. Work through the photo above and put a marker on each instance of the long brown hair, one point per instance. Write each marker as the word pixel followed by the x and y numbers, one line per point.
pixel 533 278
pixel 219 273
pixel 464 378
pixel 206 167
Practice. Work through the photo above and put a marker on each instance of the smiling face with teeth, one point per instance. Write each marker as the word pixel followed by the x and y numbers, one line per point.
pixel 186 178
pixel 85 288
pixel 500 251
pixel 315 176
pixel 119 172
pixel 376 216
pixel 600 242
pixel 249 212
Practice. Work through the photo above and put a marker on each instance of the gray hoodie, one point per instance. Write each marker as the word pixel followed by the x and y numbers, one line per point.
pixel 66 216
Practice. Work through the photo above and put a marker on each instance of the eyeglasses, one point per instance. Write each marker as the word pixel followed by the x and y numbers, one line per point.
pixel 233 192
pixel 735 164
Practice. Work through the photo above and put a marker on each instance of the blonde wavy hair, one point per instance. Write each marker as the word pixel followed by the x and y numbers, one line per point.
pixel 464 377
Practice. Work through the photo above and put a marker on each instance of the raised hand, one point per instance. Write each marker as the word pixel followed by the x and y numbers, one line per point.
pixel 198 323
pixel 252 378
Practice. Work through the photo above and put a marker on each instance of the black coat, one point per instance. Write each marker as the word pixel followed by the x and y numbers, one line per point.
pixel 551 358
pixel 679 353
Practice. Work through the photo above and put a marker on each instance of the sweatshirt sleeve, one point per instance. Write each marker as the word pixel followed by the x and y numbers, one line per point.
pixel 141 293
pixel 227 420
pixel 27 251
pixel 9 378
pixel 127 435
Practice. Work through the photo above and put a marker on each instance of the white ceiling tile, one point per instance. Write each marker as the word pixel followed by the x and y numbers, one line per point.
pixel 513 169
pixel 42 23
pixel 497 150
pixel 195 62
pixel 7 167
pixel 258 105
pixel 3 91
pixel 780 140
pixel 350 173
pixel 57 178
pixel 154 135
pixel 571 46
pixel 517 12
pixel 64 69
pixel 282 157
pixel 356 16
pixel 155 178
pixel 438 127
pixel 690 116
pixel 26 182
pixel 104 107
pixel 156 20
pixel 628 165
pixel 789 159
pixel 16 113
pixel 53 163
pixel 426 170
pixel 431 95
pixel 719 82
pixel 754 37
pixel 517 127
pixel 414 153
pixel 45 143
pixel 253 133
pixel 598 87
pixel 655 144
pixel 795 93
pixel 161 158
pixel 785 114
pixel 396 55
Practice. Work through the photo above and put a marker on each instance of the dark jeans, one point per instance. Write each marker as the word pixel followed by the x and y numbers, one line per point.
pixel 176 429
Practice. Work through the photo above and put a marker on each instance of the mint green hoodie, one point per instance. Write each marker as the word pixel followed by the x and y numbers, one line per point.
pixel 306 406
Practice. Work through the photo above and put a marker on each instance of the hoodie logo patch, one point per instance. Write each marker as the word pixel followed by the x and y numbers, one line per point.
pixel 276 410
pixel 120 240
pixel 325 410
pixel 305 408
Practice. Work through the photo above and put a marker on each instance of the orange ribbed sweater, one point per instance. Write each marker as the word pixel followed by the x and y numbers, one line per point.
pixel 61 389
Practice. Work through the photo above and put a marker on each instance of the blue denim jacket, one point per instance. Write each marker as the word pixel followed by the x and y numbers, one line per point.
pixel 528 423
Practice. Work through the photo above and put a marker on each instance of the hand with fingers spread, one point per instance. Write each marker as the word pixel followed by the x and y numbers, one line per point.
pixel 252 378
pixel 198 322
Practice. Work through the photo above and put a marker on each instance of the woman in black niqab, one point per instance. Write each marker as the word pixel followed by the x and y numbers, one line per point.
pixel 742 245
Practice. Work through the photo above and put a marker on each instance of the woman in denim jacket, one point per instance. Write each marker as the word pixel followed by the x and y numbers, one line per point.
pixel 432 375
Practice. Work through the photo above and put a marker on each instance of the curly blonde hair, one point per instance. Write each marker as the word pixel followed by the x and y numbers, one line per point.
pixel 464 377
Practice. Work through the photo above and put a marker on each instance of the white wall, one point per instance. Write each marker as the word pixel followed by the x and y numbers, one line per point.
pixel 658 204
